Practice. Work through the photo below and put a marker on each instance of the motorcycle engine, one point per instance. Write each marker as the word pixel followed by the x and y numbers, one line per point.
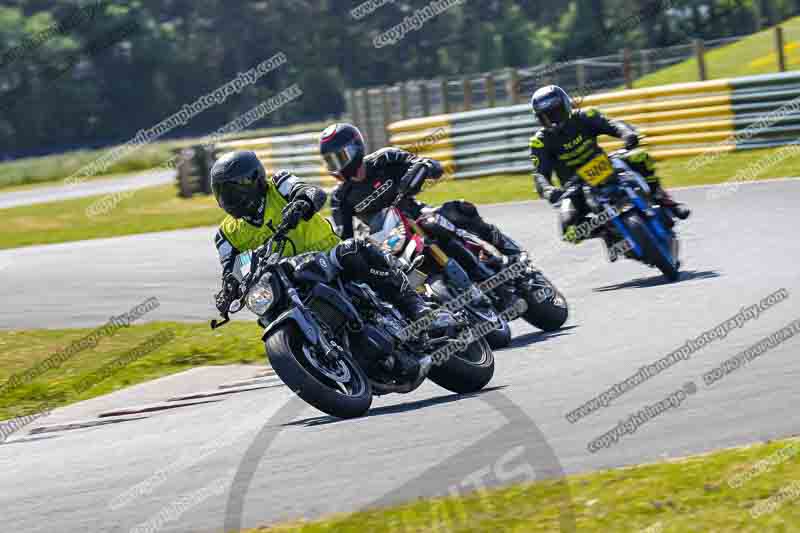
pixel 372 348
pixel 391 325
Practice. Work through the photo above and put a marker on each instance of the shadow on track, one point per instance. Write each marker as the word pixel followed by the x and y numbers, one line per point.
pixel 393 409
pixel 535 337
pixel 659 280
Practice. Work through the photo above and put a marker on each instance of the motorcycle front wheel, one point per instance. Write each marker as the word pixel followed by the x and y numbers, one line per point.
pixel 349 396
pixel 547 311
pixel 652 253
pixel 501 337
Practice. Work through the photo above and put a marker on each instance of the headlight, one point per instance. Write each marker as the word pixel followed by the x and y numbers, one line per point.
pixel 261 297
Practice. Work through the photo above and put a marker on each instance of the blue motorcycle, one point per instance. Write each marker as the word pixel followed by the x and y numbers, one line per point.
pixel 622 211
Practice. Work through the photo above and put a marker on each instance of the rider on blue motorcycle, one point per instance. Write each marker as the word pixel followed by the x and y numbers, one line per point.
pixel 568 140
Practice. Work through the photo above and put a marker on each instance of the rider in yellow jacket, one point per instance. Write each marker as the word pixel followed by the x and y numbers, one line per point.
pixel 257 205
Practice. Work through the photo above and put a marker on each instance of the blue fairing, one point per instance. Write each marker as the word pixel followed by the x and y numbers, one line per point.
pixel 637 249
pixel 655 230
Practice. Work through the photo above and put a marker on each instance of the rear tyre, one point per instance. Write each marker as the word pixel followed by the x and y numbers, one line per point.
pixel 466 372
pixel 285 352
pixel 652 254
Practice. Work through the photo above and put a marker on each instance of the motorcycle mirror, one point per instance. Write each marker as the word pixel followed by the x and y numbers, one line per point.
pixel 218 324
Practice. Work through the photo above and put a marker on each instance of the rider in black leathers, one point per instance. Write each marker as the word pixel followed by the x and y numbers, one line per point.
pixel 370 183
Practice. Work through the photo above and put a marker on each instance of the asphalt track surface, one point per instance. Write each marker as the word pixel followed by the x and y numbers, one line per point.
pixel 95 187
pixel 737 250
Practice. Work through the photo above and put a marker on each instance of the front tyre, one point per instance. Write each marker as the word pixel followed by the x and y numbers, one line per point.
pixel 652 254
pixel 287 353
pixel 547 307
pixel 466 372
pixel 501 337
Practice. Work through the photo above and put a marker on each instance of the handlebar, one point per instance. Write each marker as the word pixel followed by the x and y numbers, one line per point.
pixel 411 185
pixel 266 250
pixel 622 151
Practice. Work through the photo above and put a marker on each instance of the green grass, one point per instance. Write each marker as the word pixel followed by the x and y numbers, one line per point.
pixel 194 345
pixel 147 210
pixel 752 55
pixel 495 189
pixel 37 170
pixel 159 208
pixel 683 496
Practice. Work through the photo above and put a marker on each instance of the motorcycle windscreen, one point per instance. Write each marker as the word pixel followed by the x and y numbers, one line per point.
pixel 242 264
pixel 388 231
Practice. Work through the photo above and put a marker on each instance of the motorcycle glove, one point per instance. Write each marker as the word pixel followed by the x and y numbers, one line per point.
pixel 631 141
pixel 571 234
pixel 409 182
pixel 294 212
pixel 229 292
pixel 555 196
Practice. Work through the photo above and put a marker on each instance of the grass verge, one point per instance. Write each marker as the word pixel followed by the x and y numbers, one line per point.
pixel 686 495
pixel 53 168
pixel 750 56
pixel 193 345
pixel 159 208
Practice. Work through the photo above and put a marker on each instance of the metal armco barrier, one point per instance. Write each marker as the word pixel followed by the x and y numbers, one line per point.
pixel 679 120
pixel 297 153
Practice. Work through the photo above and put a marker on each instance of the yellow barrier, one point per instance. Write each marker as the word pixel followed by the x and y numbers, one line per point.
pixel 676 89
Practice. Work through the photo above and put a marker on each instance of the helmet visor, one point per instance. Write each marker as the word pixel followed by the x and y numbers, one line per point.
pixel 236 198
pixel 336 161
pixel 552 112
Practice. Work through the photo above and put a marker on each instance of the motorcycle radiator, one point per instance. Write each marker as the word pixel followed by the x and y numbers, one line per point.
pixel 327 313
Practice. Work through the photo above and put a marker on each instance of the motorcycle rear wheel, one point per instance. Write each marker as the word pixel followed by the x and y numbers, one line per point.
pixel 466 372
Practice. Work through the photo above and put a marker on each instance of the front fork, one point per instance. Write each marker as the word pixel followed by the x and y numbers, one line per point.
pixel 303 320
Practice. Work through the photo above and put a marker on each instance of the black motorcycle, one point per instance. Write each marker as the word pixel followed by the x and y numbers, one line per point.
pixel 334 342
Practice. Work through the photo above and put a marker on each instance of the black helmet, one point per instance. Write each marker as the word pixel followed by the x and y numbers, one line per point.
pixel 342 147
pixel 552 106
pixel 239 182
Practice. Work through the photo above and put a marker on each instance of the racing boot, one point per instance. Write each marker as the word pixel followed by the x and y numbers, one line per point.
pixel 611 248
pixel 680 210
pixel 505 244
pixel 396 289
pixel 437 323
